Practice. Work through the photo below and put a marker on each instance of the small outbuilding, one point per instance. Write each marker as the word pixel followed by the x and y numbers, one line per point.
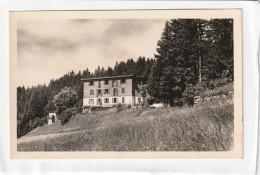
pixel 51 118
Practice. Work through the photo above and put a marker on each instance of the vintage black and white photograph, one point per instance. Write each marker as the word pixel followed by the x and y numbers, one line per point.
pixel 126 84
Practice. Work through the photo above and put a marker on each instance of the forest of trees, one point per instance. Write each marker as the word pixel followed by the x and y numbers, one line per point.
pixel 190 51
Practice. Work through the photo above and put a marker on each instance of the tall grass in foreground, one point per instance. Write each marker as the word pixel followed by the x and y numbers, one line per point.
pixel 208 127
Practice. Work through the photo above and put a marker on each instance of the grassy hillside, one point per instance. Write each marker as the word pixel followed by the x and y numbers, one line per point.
pixel 208 127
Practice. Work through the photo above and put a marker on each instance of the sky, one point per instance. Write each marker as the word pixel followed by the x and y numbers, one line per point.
pixel 48 49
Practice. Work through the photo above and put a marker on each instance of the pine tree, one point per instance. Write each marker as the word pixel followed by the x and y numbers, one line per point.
pixel 109 71
pixel 180 53
pixel 221 48
pixel 154 80
pixel 154 86
pixel 35 105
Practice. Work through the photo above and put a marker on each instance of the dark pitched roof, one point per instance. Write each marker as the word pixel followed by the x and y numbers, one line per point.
pixel 111 77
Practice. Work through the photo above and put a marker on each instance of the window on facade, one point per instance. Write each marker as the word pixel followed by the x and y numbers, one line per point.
pixel 122 81
pixel 91 101
pixel 91 92
pixel 123 90
pixel 99 101
pixel 139 100
pixel 106 82
pixel 91 83
pixel 106 91
pixel 99 84
pixel 114 83
pixel 106 100
pixel 99 93
pixel 114 100
pixel 115 92
pixel 123 99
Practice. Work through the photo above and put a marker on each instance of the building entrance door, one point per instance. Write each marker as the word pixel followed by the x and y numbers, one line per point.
pixel 99 101
pixel 52 119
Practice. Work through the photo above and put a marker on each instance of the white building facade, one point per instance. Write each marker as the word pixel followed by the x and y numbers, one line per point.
pixel 108 91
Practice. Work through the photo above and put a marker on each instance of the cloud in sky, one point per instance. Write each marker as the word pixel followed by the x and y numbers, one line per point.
pixel 48 49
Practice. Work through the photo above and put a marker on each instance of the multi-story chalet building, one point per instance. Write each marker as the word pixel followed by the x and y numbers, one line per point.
pixel 108 91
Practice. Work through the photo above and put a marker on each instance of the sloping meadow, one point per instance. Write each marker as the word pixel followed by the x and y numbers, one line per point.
pixel 206 127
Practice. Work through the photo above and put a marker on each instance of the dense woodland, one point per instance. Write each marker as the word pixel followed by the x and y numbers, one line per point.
pixel 189 53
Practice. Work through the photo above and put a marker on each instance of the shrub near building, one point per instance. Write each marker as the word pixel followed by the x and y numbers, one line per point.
pixel 64 101
pixel 67 114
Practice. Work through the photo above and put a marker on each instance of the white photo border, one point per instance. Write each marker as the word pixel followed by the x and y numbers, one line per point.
pixel 250 94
